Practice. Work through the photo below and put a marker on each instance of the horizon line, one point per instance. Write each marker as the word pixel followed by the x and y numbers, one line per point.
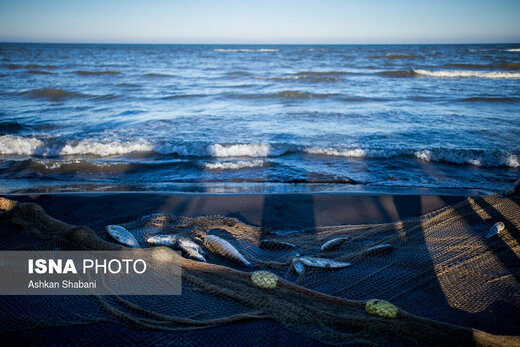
pixel 253 44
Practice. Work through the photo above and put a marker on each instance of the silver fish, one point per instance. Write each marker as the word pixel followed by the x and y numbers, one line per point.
pixel 223 248
pixel 495 229
pixel 321 262
pixel 189 243
pixel 163 240
pixel 298 268
pixel 122 235
pixel 275 245
pixel 191 249
pixel 379 249
pixel 333 244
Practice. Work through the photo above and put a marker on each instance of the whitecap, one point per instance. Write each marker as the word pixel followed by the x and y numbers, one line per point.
pixel 239 150
pixel 474 74
pixel 18 145
pixel 105 148
pixel 234 165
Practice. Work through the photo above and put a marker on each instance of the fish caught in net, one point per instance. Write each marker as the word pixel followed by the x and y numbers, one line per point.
pixel 435 280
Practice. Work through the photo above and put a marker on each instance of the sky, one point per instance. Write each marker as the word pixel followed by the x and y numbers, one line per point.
pixel 265 21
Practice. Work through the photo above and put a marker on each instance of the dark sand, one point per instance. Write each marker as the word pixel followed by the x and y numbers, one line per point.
pixel 276 211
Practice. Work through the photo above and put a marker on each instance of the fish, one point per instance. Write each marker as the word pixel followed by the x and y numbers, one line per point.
pixel 333 244
pixel 122 235
pixel 221 247
pixel 189 243
pixel 163 240
pixel 495 229
pixel 192 249
pixel 320 263
pixel 275 245
pixel 298 268
pixel 379 249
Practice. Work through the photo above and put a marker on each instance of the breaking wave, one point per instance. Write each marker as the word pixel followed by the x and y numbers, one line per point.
pixel 17 145
pixel 105 149
pixel 474 74
pixel 30 146
pixel 241 150
pixel 234 165
pixel 454 156
pixel 513 50
pixel 504 66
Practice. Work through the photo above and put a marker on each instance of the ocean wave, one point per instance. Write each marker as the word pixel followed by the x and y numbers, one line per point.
pixel 489 99
pixel 53 94
pixel 18 145
pixel 504 66
pixel 128 85
pixel 352 152
pixel 471 157
pixel 96 73
pixel 302 78
pixel 30 146
pixel 513 50
pixel 245 50
pixel 158 75
pixel 12 127
pixel 287 94
pixel 321 73
pixel 239 150
pixel 106 148
pixel 401 56
pixel 39 72
pixel 398 73
pixel 474 74
pixel 30 66
pixel 317 50
pixel 455 156
pixel 234 165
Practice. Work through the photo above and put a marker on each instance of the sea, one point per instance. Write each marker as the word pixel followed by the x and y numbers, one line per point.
pixel 259 118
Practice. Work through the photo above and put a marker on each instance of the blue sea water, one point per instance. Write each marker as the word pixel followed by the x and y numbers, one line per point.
pixel 269 118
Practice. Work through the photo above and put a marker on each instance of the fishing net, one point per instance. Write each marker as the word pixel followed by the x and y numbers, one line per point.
pixel 447 283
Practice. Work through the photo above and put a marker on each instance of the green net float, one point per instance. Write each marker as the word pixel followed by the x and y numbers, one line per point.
pixel 381 308
pixel 264 279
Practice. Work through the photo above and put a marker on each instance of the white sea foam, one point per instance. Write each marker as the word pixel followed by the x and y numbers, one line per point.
pixel 105 148
pixel 234 165
pixel 242 150
pixel 350 153
pixel 460 73
pixel 18 145
pixel 245 50
pixel 513 50
pixel 476 158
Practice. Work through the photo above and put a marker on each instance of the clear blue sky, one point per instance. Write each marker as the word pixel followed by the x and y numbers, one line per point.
pixel 265 21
